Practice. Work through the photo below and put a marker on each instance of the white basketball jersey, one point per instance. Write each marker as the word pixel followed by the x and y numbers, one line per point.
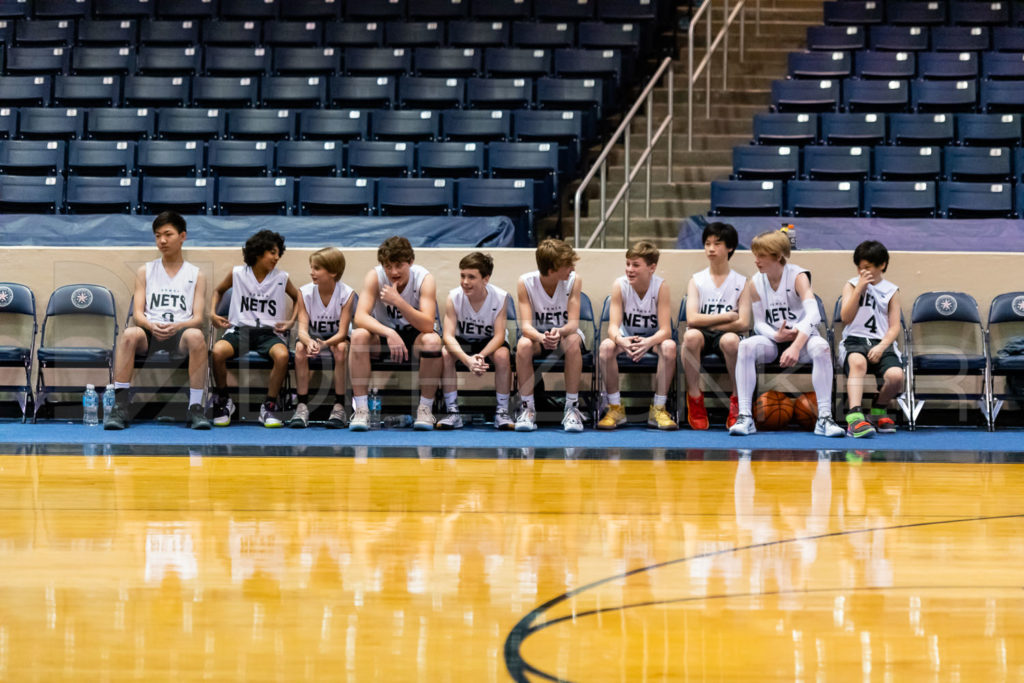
pixel 477 325
pixel 257 304
pixel 715 300
pixel 390 315
pixel 324 320
pixel 783 305
pixel 170 299
pixel 639 315
pixel 872 318
pixel 549 312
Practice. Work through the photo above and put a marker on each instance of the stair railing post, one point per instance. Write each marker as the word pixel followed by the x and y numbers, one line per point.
pixel 743 33
pixel 650 134
pixel 628 182
pixel 604 197
pixel 707 73
pixel 671 118
pixel 725 44
pixel 689 91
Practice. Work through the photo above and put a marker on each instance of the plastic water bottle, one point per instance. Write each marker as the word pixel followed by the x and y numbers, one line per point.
pixel 108 400
pixel 398 421
pixel 790 230
pixel 90 406
pixel 374 405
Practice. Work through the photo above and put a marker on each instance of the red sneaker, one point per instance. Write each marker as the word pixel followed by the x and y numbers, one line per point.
pixel 696 414
pixel 734 411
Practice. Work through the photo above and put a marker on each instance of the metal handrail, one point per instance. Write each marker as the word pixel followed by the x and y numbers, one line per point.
pixel 722 37
pixel 601 164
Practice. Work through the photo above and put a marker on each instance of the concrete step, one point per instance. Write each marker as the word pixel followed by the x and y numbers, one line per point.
pixel 660 208
pixel 663 231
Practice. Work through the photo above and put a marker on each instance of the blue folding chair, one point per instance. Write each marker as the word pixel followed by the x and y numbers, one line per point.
pixel 25 91
pixel 101 157
pixel 31 194
pixel 1005 322
pixel 224 91
pixel 120 124
pixel 410 126
pixel 338 125
pixel 415 196
pixel 255 196
pixel 309 158
pixel 240 158
pixel 823 198
pixel 32 157
pixel 852 128
pixel 18 330
pixel 895 162
pixel 84 91
pixel 760 162
pixel 899 199
pixel 79 333
pixel 380 159
pixel 173 158
pixel 785 128
pixel 184 195
pixel 365 92
pixel 336 196
pixel 746 198
pixel 92 194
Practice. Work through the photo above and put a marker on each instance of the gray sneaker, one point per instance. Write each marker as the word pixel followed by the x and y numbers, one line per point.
pixel 360 420
pixel 453 420
pixel 744 426
pixel 223 409
pixel 196 417
pixel 117 418
pixel 424 419
pixel 268 415
pixel 502 420
pixel 300 420
pixel 826 426
pixel 337 417
pixel 527 421
pixel 572 420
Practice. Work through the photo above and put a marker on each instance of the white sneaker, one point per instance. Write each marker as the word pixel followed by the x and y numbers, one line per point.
pixel 223 409
pixel 502 420
pixel 360 420
pixel 300 420
pixel 424 419
pixel 453 420
pixel 826 426
pixel 572 420
pixel 744 426
pixel 268 415
pixel 527 421
pixel 336 420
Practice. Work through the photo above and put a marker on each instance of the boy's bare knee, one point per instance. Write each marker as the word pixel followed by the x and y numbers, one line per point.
pixel 693 340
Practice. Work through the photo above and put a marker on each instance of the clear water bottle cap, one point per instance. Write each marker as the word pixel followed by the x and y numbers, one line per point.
pixel 90 387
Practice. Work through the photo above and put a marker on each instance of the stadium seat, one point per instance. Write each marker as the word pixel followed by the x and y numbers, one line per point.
pixel 500 197
pixel 222 32
pixel 378 61
pixel 979 13
pixel 224 91
pixel 79 332
pixel 362 91
pixel 920 129
pixel 168 32
pixel 563 127
pixel 581 94
pixel 380 159
pixel 772 128
pixel 899 38
pixel 18 338
pixel 583 63
pixel 295 92
pixel 375 9
pixel 1005 321
pixel 84 91
pixel 758 162
pixel 437 9
pixel 26 61
pixel 31 194
pixel 415 196
pixel 975 200
pixel 411 34
pixel 916 12
pixel 1018 170
pixel 255 196
pixel 336 196
pixel 185 9
pixel 101 157
pixel 836 38
pixel 947 339
pixel 852 129
pixel 499 93
pixel 534 160
pixel 36 123
pixel 822 198
pixel 960 38
pixel 420 125
pixel 499 9
pixel 598 35
pixel 947 65
pixel 13 9
pixel 450 62
pixel 899 198
pixel 120 124
pixel 306 10
pixel 746 197
pixel 307 61
pixel 171 158
pixel 1002 96
pixel 1003 66
pixel 93 194
pixel 805 96
pixel 1008 38
pixel 978 164
pixel 347 34
pixel 44 9
pixel 450 160
pixel 236 61
pixel 156 91
pixel 543 35
pixel 988 130
pixel 260 124
pixel 478 34
pixel 90 60
pixel 876 96
pixel 476 125
pixel 8 123
pixel 239 158
pixel 818 65
pixel 184 195
pixel 248 9
pixel 626 10
pixel 430 92
pixel 334 124
pixel 885 64
pixel 292 33
pixel 44 33
pixel 107 32
pixel 517 62
pixel 902 163
pixel 853 12
pixel 25 91
pixel 945 96
pixel 309 158
pixel 829 162
pixel 119 9
pixel 572 10
pixel 190 124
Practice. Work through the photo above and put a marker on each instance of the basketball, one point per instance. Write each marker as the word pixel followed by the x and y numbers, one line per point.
pixel 805 410
pixel 773 410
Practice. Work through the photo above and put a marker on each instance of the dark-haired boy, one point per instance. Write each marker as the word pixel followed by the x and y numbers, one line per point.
pixel 474 331
pixel 167 311
pixel 717 315
pixel 871 322
pixel 256 321
pixel 549 315
pixel 396 311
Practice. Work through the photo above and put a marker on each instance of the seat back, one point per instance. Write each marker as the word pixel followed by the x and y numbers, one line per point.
pixel 80 316
pixel 336 196
pixel 946 322
pixel 1005 319
pixel 17 316
pixel 194 195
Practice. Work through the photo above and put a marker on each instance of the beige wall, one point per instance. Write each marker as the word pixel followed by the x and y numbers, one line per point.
pixel 980 274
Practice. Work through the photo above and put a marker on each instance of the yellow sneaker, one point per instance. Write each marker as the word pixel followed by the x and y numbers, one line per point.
pixel 658 417
pixel 614 417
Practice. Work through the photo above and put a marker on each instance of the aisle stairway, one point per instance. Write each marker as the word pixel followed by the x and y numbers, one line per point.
pixel 783 27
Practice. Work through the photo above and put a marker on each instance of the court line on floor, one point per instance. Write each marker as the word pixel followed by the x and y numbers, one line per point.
pixel 518 667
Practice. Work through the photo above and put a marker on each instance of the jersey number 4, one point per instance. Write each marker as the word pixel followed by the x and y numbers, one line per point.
pixel 871 324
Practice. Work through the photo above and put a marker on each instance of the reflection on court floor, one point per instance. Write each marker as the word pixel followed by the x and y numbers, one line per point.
pixel 435 566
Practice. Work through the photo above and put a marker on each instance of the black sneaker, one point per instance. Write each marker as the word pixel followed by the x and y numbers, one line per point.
pixel 197 417
pixel 117 418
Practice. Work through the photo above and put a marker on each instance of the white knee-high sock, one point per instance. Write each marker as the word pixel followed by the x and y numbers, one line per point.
pixel 753 350
pixel 821 373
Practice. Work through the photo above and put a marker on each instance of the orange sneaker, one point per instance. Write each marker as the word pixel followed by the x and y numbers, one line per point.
pixel 696 414
pixel 734 411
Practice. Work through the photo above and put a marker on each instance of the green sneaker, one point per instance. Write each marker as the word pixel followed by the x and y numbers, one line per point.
pixel 857 426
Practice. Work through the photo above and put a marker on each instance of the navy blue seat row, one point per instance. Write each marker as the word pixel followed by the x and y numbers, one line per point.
pixel 884 162
pixel 921 13
pixel 887 198
pixel 853 94
pixel 300 10
pixel 895 129
pixel 880 64
pixel 916 38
